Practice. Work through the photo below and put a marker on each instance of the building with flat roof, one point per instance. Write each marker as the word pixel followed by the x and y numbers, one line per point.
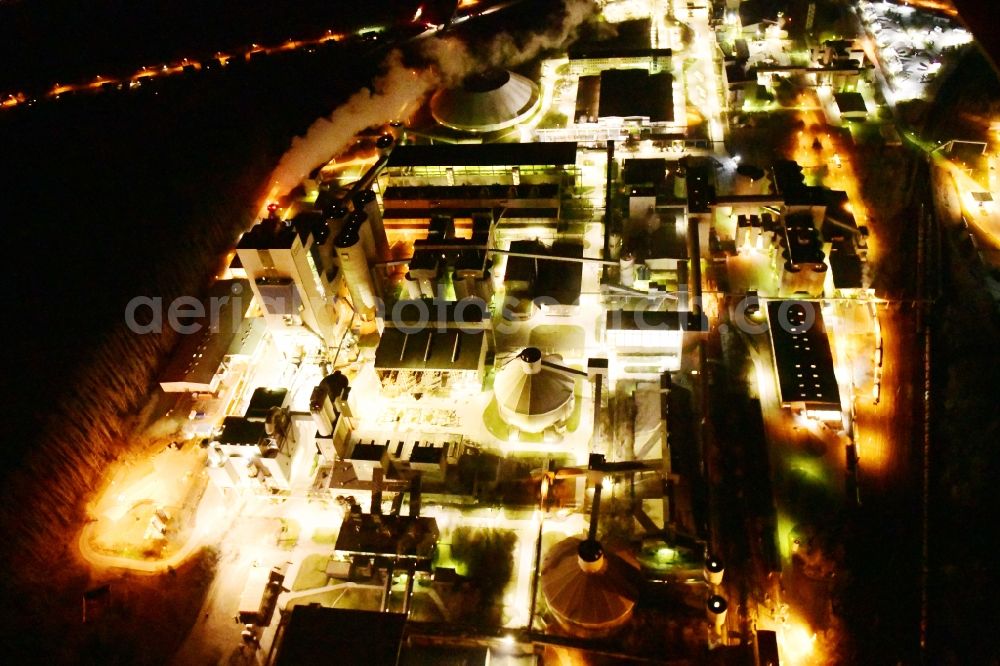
pixel 802 260
pixel 366 457
pixel 445 655
pixel 481 164
pixel 483 154
pixel 625 95
pixel 553 285
pixel 430 361
pixel 851 105
pixel 256 448
pixel 315 635
pixel 590 58
pixel 647 343
pixel 224 331
pixel 636 94
pixel 333 405
pixel 803 359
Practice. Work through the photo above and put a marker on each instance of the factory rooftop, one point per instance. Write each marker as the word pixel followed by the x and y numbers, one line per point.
pixel 598 50
pixel 319 635
pixel 470 312
pixel 669 320
pixel 195 364
pixel 485 154
pixel 429 350
pixel 802 353
pixel 240 431
pixel 629 93
pixel 272 235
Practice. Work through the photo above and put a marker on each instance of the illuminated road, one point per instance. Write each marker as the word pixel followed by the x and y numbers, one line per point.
pixel 186 65
pixel 146 73
pixel 883 429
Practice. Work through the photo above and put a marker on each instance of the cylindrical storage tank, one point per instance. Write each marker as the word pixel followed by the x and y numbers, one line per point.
pixel 384 144
pixel 626 266
pixel 354 265
pixel 428 286
pixel 715 609
pixel 680 183
pixel 412 286
pixel 531 396
pixel 713 570
pixel 322 411
pixel 358 219
pixel 590 592
pixel 615 244
pixel 484 287
pixel 464 286
pixel 367 202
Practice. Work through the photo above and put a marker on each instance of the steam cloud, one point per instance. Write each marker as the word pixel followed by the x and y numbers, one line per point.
pixel 398 92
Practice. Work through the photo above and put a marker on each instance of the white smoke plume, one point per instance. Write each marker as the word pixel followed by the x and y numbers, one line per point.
pixel 395 94
pixel 398 92
pixel 506 50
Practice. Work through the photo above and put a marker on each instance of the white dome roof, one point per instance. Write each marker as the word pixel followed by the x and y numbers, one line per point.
pixel 532 396
pixel 485 102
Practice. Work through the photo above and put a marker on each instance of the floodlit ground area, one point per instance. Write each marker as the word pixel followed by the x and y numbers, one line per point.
pixel 146 511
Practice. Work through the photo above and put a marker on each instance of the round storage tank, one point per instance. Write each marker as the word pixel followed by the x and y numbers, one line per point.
pixel 367 202
pixel 626 266
pixel 716 608
pixel 486 102
pixel 589 591
pixel 354 264
pixel 532 396
pixel 713 570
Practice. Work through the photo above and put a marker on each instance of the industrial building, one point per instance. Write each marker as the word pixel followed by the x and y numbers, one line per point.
pixel 482 164
pixel 333 406
pixel 280 263
pixel 810 237
pixel 433 347
pixel 315 635
pixel 803 359
pixel 257 448
pixel 224 334
pixel 645 344
pixel 626 95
